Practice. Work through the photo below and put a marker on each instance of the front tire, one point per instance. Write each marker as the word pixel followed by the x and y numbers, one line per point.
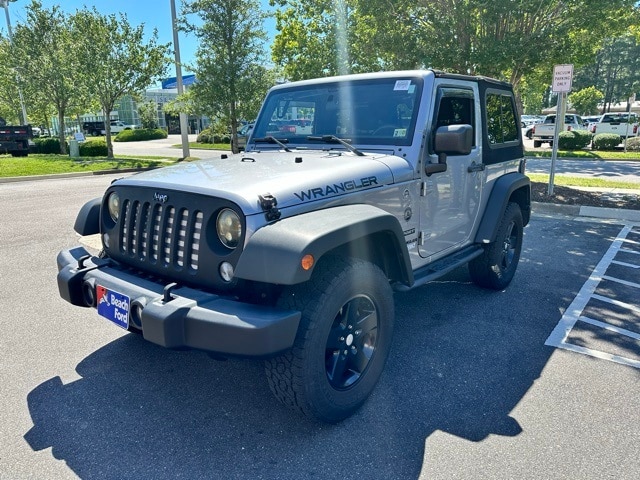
pixel 497 265
pixel 343 340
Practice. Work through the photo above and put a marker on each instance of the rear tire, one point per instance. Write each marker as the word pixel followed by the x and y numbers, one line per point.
pixel 497 265
pixel 537 144
pixel 343 340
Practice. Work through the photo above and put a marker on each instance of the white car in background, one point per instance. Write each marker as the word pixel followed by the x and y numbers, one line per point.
pixel 117 126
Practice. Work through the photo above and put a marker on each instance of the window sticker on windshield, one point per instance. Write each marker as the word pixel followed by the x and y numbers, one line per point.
pixel 411 89
pixel 400 132
pixel 402 85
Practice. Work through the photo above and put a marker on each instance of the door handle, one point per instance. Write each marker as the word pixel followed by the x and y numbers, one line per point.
pixel 476 167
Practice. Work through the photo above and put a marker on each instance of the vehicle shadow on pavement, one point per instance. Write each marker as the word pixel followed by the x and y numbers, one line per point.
pixel 142 411
pixel 462 359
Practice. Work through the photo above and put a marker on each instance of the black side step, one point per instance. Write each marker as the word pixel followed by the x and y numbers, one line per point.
pixel 441 267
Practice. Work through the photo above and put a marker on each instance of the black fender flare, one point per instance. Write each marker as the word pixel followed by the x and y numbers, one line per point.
pixel 88 219
pixel 273 254
pixel 510 187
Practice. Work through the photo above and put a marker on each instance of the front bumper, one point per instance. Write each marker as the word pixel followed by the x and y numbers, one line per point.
pixel 179 317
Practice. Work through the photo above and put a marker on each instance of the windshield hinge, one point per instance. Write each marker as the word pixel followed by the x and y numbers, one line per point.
pixel 423 189
pixel 270 206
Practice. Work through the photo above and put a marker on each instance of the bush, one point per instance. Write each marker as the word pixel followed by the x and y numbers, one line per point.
pixel 209 136
pixel 574 140
pixel 606 141
pixel 140 134
pixel 633 144
pixel 47 145
pixel 206 136
pixel 94 148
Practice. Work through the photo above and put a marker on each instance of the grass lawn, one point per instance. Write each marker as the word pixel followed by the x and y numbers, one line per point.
pixel 569 181
pixel 586 154
pixel 207 146
pixel 50 164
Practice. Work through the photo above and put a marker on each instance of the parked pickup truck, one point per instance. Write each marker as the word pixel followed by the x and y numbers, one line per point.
pixel 545 131
pixel 290 252
pixel 623 124
pixel 15 139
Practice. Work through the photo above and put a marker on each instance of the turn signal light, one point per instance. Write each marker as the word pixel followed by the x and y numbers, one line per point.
pixel 307 262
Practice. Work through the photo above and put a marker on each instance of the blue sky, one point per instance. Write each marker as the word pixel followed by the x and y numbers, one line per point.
pixel 153 13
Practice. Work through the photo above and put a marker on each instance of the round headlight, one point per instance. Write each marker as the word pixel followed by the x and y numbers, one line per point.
pixel 113 203
pixel 229 228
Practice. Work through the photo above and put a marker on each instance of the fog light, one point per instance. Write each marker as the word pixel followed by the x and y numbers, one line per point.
pixel 226 271
pixel 135 315
pixel 89 294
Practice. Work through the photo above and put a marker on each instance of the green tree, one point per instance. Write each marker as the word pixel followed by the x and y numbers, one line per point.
pixel 501 38
pixel 231 48
pixel 615 71
pixel 46 56
pixel 118 58
pixel 148 113
pixel 585 101
pixel 9 104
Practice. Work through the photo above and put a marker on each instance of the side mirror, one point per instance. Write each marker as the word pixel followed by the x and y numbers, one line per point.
pixel 454 140
pixel 450 140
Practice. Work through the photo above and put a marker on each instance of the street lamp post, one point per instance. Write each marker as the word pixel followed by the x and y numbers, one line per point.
pixel 5 4
pixel 183 116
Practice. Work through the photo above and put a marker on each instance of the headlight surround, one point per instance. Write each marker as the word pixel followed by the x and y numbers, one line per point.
pixel 229 228
pixel 113 205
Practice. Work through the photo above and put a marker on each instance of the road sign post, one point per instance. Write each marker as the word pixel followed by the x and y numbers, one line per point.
pixel 562 78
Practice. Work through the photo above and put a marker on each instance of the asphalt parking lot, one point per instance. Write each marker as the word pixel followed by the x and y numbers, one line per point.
pixel 538 381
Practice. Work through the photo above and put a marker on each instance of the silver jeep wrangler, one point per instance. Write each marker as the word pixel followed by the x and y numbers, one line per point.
pixel 350 187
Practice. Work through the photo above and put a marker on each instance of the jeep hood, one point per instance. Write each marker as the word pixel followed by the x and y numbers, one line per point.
pixel 291 177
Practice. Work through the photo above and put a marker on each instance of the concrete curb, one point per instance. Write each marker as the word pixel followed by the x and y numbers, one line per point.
pixel 54 176
pixel 621 214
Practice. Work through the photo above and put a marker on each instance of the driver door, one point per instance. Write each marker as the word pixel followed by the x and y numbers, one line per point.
pixel 451 199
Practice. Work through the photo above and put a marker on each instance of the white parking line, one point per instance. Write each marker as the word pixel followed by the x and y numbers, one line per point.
pixel 573 314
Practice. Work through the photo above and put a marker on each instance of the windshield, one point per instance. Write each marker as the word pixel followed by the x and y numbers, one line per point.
pixel 368 112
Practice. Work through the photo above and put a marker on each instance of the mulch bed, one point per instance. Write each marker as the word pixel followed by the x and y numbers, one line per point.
pixel 574 196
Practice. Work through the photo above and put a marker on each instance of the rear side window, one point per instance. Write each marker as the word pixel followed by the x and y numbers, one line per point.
pixel 502 126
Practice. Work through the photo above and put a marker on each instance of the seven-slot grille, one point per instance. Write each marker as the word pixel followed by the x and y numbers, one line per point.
pixel 161 234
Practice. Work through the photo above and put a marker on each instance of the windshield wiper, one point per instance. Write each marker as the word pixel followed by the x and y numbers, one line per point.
pixel 334 139
pixel 270 139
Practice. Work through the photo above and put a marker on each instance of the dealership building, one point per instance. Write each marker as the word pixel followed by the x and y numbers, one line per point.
pixel 126 109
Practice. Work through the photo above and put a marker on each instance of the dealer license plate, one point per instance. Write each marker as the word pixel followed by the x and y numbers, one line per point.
pixel 113 306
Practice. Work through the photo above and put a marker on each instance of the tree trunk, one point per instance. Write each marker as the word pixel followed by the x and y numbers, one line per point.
pixel 107 129
pixel 234 128
pixel 61 133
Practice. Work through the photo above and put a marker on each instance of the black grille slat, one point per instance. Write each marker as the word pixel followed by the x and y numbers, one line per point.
pixel 133 228
pixel 155 229
pixel 168 230
pixel 193 250
pixel 143 234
